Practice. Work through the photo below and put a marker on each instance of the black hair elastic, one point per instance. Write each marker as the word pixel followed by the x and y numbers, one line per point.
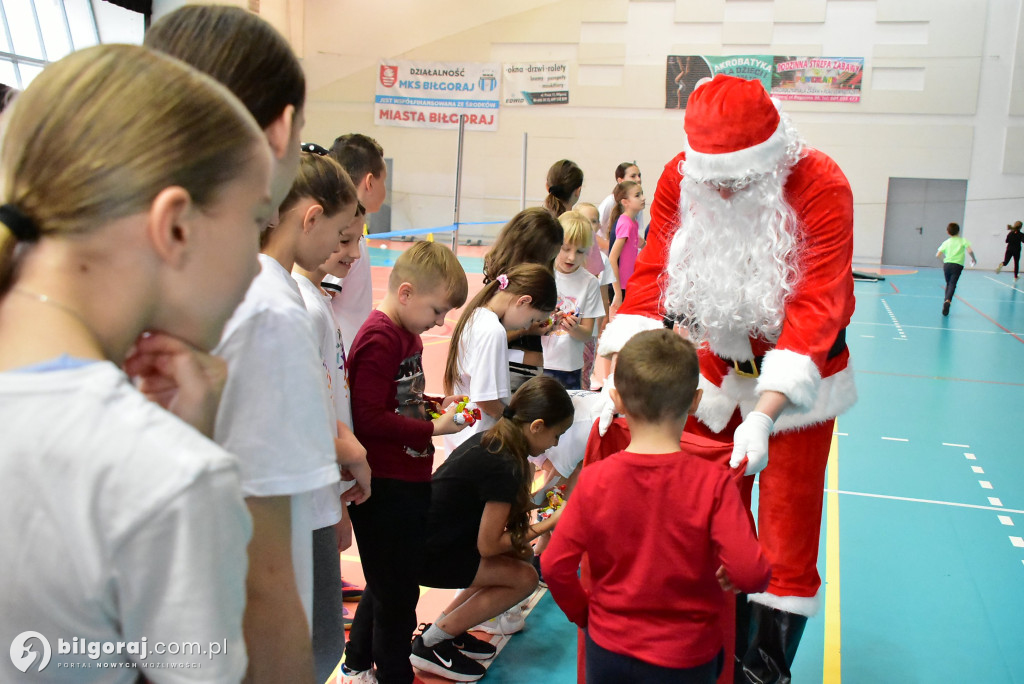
pixel 21 226
pixel 508 413
pixel 314 148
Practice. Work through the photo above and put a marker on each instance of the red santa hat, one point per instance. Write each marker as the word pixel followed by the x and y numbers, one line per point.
pixel 733 131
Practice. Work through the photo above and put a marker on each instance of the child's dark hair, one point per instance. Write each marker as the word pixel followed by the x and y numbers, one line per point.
pixel 539 398
pixel 240 50
pixel 620 170
pixel 564 178
pixel 620 193
pixel 359 154
pixel 533 236
pixel 323 179
pixel 533 280
pixel 430 265
pixel 656 375
pixel 953 229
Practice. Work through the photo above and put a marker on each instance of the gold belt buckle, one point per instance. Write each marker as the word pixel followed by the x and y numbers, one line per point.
pixel 744 373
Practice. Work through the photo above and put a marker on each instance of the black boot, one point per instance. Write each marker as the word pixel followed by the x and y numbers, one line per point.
pixel 774 636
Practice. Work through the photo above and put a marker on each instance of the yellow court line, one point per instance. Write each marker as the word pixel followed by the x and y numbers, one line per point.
pixel 832 673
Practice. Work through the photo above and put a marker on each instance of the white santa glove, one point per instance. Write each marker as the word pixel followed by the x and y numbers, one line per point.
pixel 607 406
pixel 751 441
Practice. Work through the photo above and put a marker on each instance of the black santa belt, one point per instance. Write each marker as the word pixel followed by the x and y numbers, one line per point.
pixel 751 368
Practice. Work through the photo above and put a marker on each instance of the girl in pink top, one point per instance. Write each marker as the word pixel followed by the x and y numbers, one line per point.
pixel 629 201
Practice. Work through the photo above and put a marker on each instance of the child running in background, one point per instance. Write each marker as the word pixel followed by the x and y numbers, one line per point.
pixel 594 370
pixel 533 236
pixel 477 364
pixel 1013 242
pixel 626 171
pixel 285 450
pixel 117 220
pixel 952 253
pixel 564 183
pixel 323 193
pixel 627 243
pixel 478 529
pixel 652 613
pixel 391 416
pixel 579 304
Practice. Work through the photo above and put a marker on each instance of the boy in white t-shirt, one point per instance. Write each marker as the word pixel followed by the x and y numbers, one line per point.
pixel 579 304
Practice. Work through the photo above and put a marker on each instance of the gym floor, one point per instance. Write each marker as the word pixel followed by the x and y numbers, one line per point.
pixel 922 545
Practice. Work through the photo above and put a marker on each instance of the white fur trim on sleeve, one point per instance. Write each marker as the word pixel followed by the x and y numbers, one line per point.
pixel 795 375
pixel 623 327
pixel 807 606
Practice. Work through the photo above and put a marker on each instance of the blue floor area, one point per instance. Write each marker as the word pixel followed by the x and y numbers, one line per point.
pixel 381 255
pixel 931 498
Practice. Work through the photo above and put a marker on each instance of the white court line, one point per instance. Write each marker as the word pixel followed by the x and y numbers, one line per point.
pixel 978 469
pixel 1017 541
pixel 985 484
pixel 1006 520
pixel 928 501
pixel 895 322
pixel 995 501
pixel 841 434
pixel 999 282
pixel 896 439
pixel 870 337
pixel 936 327
pixel 970 457
pixel 962 446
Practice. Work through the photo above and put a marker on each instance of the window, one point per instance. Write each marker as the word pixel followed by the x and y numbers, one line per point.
pixel 34 33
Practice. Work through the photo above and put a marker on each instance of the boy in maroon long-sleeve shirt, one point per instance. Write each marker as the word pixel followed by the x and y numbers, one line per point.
pixel 391 418
pixel 665 532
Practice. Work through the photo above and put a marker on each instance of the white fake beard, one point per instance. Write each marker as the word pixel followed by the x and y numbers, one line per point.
pixel 732 264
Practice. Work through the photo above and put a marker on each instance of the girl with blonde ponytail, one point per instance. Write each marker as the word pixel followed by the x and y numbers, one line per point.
pixel 478 528
pixel 118 220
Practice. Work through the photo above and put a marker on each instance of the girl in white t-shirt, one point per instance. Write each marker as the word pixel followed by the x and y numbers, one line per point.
pixel 125 522
pixel 595 368
pixel 322 191
pixel 478 352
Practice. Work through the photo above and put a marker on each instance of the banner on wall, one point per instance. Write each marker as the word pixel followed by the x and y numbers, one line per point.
pixel 813 79
pixel 535 83
pixel 817 79
pixel 435 94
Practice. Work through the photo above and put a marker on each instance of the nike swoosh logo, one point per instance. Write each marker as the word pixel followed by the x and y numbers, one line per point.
pixel 446 663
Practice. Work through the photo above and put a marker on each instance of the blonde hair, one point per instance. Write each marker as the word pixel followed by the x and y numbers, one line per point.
pixel 577 229
pixel 74 155
pixel 427 265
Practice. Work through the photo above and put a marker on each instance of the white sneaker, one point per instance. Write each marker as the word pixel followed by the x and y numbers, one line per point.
pixel 346 676
pixel 509 622
pixel 999 268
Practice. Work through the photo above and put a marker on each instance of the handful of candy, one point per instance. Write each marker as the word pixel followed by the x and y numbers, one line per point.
pixel 463 415
pixel 556 499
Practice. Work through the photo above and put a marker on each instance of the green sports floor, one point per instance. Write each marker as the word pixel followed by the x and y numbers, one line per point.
pixel 922 545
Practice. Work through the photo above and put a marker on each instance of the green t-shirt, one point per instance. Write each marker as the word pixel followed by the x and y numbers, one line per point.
pixel 954 249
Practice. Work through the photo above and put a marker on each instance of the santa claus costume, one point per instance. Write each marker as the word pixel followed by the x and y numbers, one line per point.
pixel 749 249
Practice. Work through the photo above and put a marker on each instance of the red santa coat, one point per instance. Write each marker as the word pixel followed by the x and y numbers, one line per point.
pixel 806 363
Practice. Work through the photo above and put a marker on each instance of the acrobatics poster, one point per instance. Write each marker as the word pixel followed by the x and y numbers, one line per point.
pixel 808 79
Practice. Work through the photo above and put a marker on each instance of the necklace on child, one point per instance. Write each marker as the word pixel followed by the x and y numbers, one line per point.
pixel 46 299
